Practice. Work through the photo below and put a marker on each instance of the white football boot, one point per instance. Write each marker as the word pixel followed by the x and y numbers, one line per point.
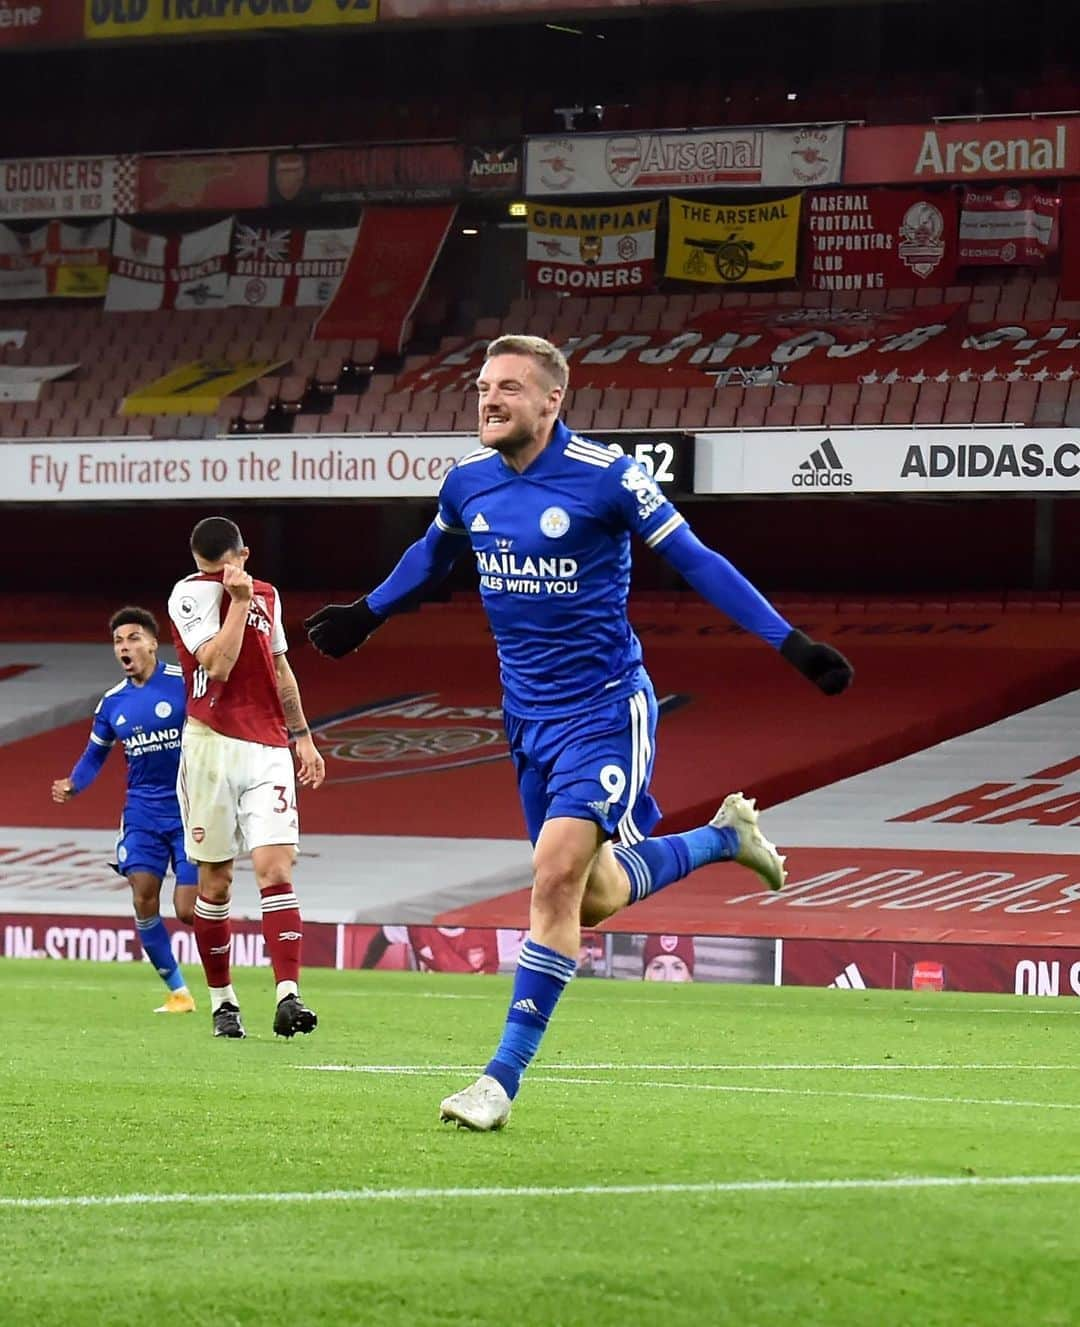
pixel 482 1106
pixel 755 851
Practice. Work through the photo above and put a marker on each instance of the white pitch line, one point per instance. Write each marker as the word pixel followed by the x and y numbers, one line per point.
pixel 891 1066
pixel 910 1182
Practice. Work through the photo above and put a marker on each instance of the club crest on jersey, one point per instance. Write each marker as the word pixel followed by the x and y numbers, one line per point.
pixel 554 522
pixel 163 709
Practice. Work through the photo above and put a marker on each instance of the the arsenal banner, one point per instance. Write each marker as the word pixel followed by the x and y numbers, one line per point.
pixel 966 150
pixel 1011 225
pixel 732 243
pixel 766 346
pixel 67 186
pixel 169 271
pixel 55 260
pixel 878 239
pixel 591 250
pixel 272 267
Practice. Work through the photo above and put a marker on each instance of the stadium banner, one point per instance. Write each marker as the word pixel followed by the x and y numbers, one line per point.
pixel 751 158
pixel 591 250
pixel 67 186
pixel 892 460
pixel 928 966
pixel 493 168
pixel 323 466
pixel 197 388
pixel 22 382
pixel 152 271
pixel 392 259
pixel 14 337
pixel 733 244
pixel 1070 241
pixel 777 344
pixel 382 173
pixel 41 23
pixel 965 150
pixel 1009 225
pixel 162 18
pixel 878 239
pixel 216 182
pixel 55 260
pixel 291 267
pixel 399 11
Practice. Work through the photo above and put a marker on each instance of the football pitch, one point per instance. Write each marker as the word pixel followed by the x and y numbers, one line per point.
pixel 678 1155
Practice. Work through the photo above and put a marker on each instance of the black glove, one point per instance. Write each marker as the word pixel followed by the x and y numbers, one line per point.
pixel 338 628
pixel 821 664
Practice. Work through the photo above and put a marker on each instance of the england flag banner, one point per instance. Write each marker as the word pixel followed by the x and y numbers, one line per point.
pixel 294 267
pixel 151 271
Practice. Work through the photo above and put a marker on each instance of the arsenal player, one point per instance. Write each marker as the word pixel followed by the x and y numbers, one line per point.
pixel 236 783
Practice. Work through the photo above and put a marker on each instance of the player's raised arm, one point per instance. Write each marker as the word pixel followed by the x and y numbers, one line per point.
pixel 336 629
pixel 89 764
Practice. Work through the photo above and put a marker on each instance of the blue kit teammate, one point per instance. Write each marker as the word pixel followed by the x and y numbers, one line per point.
pixel 549 515
pixel 145 713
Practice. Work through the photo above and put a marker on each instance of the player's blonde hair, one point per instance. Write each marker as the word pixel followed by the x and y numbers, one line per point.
pixel 550 358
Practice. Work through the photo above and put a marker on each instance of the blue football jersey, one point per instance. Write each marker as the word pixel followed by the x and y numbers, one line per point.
pixel 552 547
pixel 147 720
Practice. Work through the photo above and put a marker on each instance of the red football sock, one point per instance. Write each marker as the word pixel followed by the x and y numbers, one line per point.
pixel 282 930
pixel 213 935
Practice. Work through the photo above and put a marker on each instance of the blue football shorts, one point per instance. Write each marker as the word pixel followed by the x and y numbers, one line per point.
pixel 596 765
pixel 154 851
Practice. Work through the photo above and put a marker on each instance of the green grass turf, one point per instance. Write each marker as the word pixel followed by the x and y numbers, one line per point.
pixel 99 1097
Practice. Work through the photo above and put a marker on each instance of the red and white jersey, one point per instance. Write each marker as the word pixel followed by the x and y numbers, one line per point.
pixel 247 705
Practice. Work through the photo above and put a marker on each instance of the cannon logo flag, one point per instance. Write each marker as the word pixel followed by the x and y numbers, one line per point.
pixel 731 244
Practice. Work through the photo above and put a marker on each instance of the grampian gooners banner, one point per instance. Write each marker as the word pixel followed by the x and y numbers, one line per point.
pixel 591 250
pixel 1010 225
pixel 163 18
pixel 67 187
pixel 169 271
pixel 292 267
pixel 56 260
pixel 683 159
pixel 967 150
pixel 878 239
pixel 732 243
pixel 778 344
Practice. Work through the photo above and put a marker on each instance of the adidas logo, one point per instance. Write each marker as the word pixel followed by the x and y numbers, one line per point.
pixel 851 979
pixel 526 1007
pixel 822 469
pixel 479 525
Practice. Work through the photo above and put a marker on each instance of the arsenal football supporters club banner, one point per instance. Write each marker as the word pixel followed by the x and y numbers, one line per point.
pixel 1011 225
pixel 294 267
pixel 67 186
pixel 878 239
pixel 169 271
pixel 778 344
pixel 691 159
pixel 591 250
pixel 732 243
pixel 395 250
pixel 218 181
pixel 965 150
pixel 55 260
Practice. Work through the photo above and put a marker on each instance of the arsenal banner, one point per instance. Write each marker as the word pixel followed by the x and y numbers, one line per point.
pixel 766 346
pixel 591 250
pixel 493 169
pixel 965 150
pixel 67 186
pixel 732 244
pixel 877 239
pixel 292 267
pixel 169 271
pixel 217 182
pixel 56 260
pixel 374 172
pixel 1012 225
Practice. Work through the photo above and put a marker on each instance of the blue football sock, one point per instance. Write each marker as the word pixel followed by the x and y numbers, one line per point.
pixel 155 941
pixel 541 975
pixel 657 863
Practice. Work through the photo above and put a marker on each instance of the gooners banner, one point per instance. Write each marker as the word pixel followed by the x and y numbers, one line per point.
pixel 169 271
pixel 1007 226
pixel 592 250
pixel 301 268
pixel 732 243
pixel 878 239
pixel 67 186
pixel 56 260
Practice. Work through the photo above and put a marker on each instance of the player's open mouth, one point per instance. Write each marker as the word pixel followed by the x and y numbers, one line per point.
pixel 127 661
